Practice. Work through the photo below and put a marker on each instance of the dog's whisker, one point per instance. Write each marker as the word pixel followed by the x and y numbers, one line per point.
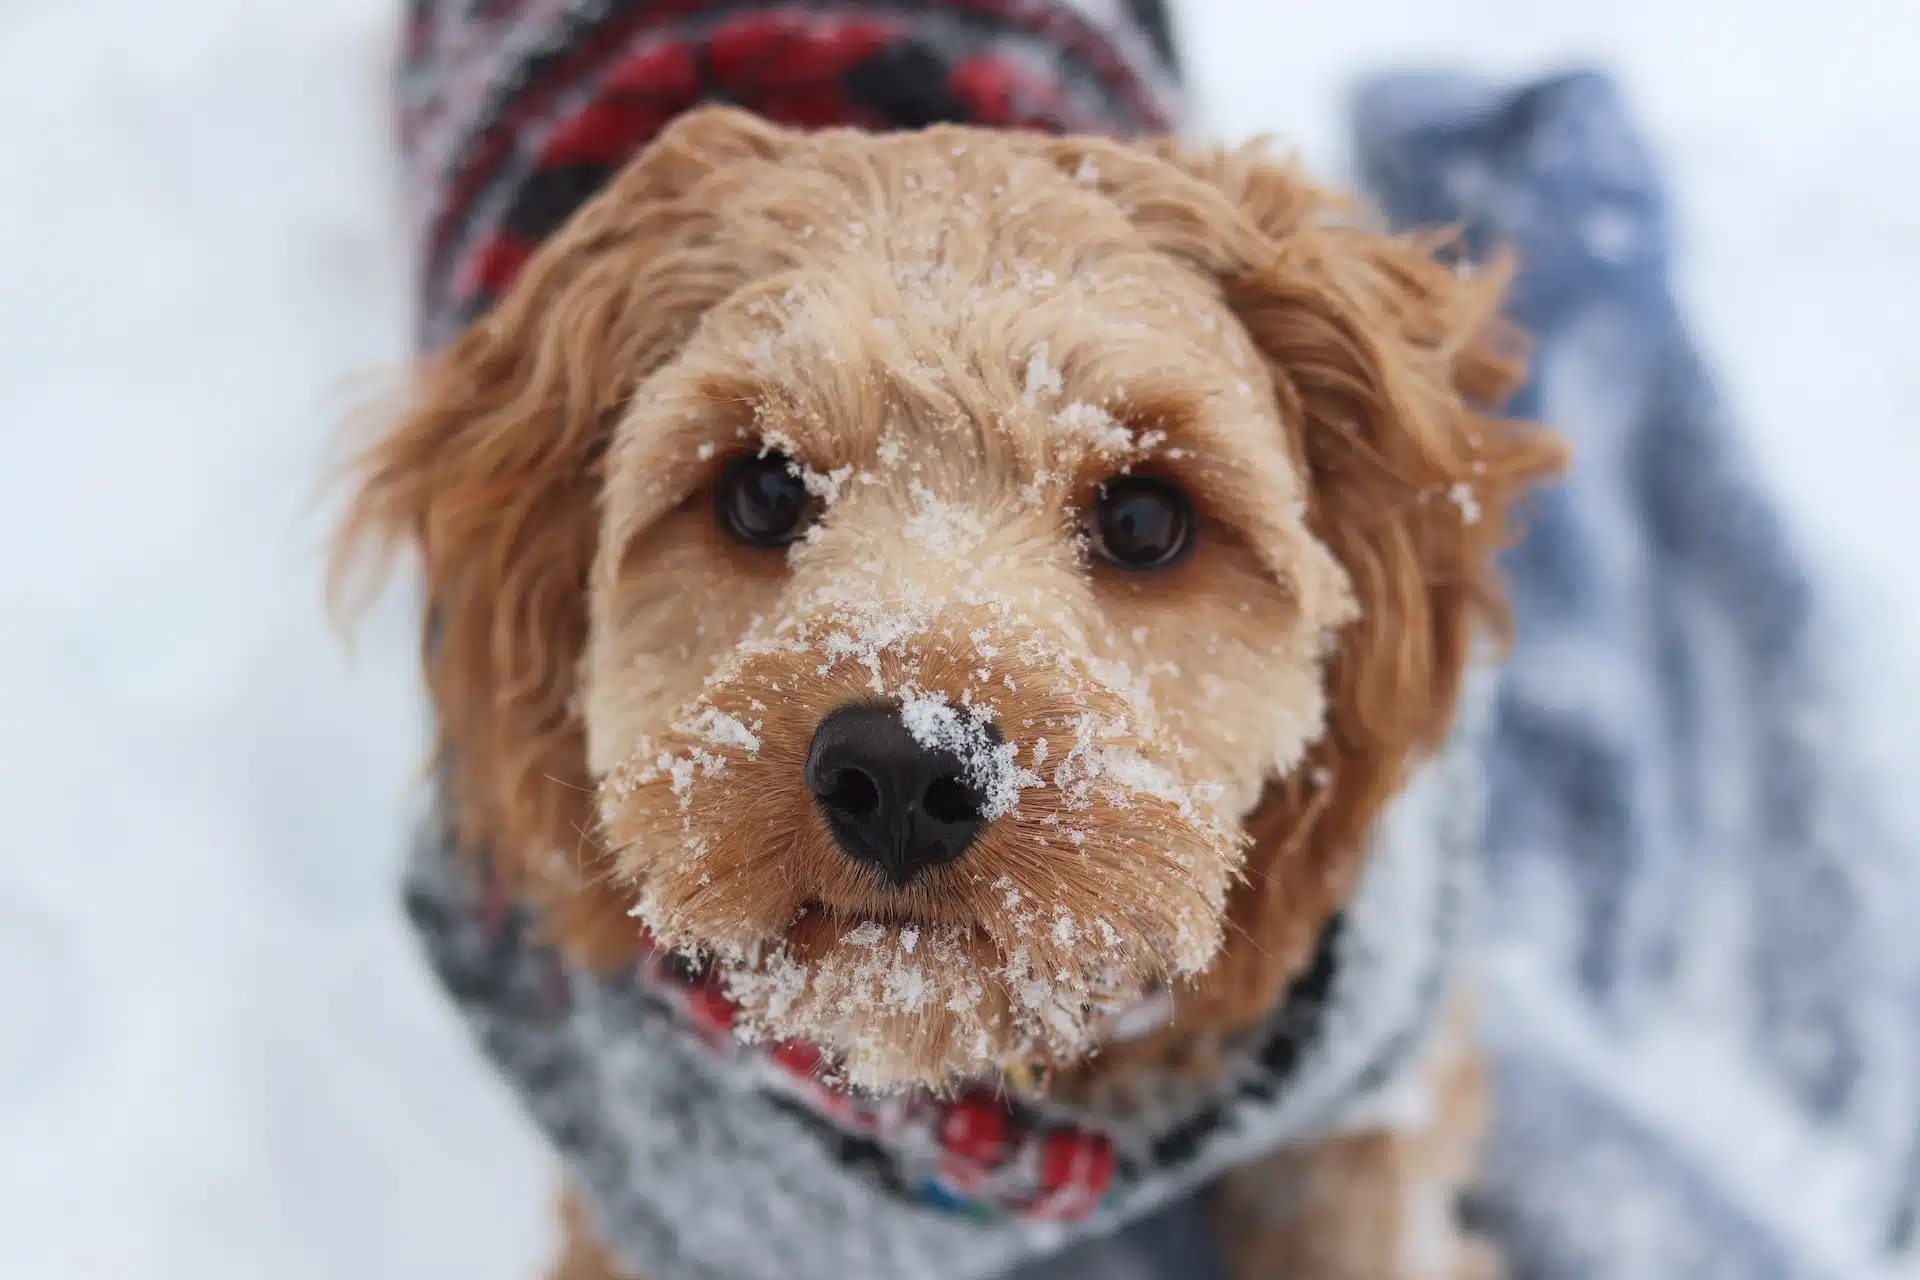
pixel 1251 941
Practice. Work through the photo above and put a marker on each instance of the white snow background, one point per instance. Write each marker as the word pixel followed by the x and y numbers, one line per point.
pixel 219 1054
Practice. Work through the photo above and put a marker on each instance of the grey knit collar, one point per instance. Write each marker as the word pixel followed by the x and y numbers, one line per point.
pixel 701 1161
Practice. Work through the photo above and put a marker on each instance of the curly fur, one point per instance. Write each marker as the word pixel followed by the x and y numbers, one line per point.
pixel 959 334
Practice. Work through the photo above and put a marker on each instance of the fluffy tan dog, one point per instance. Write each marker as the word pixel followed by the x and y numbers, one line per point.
pixel 961 584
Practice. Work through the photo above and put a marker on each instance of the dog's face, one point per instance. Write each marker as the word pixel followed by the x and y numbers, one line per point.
pixel 953 603
pixel 944 558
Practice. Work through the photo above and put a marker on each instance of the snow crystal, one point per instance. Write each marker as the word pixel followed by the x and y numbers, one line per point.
pixel 1033 494
pixel 868 934
pixel 1108 438
pixel 1064 931
pixel 774 440
pixel 824 486
pixel 680 770
pixel 1462 496
pixel 989 767
pixel 723 730
pixel 947 529
pixel 1012 891
pixel 1042 378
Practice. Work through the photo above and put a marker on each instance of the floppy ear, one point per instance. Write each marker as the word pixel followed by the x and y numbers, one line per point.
pixel 1388 366
pixel 492 471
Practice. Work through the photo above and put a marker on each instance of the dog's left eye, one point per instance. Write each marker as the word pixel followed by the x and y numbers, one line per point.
pixel 762 501
pixel 1140 523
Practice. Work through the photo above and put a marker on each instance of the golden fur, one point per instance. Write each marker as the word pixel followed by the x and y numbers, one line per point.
pixel 958 335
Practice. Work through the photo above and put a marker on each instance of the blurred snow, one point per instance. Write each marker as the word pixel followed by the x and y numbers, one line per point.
pixel 219 1054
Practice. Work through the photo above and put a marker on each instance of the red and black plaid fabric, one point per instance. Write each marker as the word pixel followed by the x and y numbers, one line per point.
pixel 514 112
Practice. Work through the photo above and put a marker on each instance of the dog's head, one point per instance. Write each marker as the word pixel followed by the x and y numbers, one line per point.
pixel 954 582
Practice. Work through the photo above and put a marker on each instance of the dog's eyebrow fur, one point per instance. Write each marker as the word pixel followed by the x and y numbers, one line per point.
pixel 1176 412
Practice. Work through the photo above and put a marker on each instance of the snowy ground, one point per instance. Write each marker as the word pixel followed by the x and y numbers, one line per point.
pixel 218 1054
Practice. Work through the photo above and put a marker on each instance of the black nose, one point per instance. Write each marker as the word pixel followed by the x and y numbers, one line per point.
pixel 890 802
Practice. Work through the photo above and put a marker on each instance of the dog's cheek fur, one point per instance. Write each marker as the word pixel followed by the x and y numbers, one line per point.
pixel 683 600
pixel 1234 664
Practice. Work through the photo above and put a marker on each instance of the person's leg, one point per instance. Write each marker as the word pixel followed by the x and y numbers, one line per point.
pixel 1674 747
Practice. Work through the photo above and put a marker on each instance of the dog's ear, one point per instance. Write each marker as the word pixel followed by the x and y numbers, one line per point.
pixel 492 471
pixel 1388 365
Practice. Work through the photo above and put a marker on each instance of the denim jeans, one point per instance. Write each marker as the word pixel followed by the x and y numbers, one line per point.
pixel 1705 1030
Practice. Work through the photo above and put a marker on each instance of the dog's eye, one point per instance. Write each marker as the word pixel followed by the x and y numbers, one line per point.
pixel 762 501
pixel 1140 523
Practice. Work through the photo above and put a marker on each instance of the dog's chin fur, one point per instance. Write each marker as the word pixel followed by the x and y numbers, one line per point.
pixel 958 336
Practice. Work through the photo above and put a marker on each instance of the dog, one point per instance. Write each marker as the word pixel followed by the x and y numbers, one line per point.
pixel 940 641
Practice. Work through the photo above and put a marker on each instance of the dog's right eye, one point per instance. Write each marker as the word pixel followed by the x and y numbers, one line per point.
pixel 1140 523
pixel 762 500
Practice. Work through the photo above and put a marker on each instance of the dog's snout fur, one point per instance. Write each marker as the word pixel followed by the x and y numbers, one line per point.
pixel 896 800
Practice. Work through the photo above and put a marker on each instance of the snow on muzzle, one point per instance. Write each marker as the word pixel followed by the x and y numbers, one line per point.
pixel 1093 870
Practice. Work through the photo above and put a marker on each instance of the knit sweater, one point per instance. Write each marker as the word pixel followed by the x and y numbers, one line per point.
pixel 514 112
